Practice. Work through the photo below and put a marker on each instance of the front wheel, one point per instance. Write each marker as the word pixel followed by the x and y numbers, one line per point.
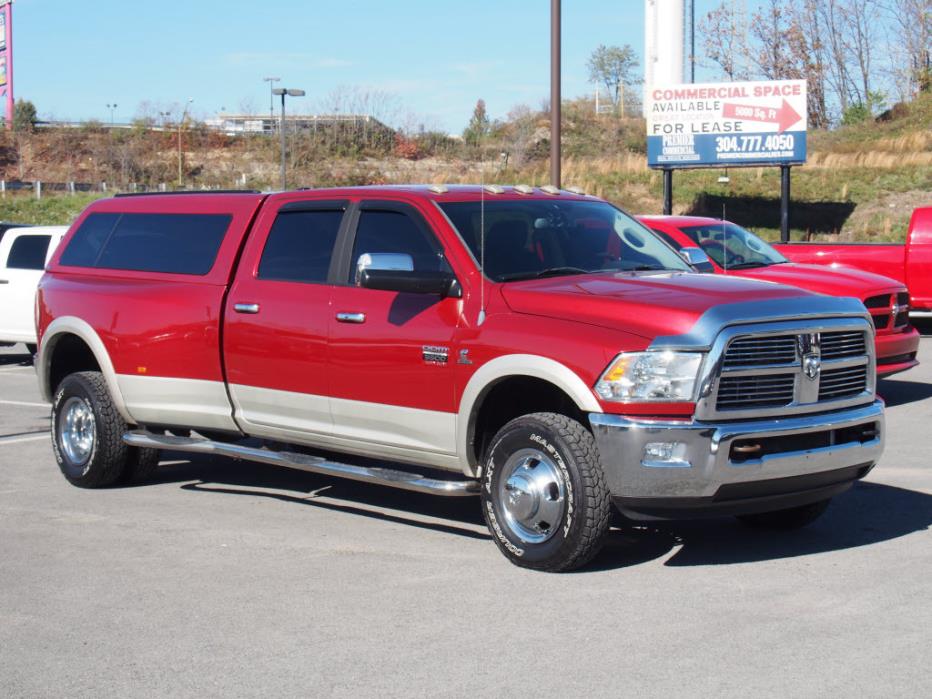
pixel 544 496
pixel 791 518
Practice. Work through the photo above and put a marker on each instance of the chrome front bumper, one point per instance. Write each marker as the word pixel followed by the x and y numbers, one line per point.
pixel 753 465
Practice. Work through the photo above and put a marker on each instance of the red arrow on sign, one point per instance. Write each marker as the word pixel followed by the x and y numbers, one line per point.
pixel 784 117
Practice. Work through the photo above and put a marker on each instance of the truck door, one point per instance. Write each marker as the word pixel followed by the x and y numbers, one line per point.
pixel 277 317
pixel 22 263
pixel 919 259
pixel 391 354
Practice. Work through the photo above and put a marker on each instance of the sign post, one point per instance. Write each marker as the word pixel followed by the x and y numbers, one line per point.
pixel 6 59
pixel 738 124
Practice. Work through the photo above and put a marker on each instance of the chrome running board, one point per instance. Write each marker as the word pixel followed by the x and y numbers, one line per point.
pixel 303 462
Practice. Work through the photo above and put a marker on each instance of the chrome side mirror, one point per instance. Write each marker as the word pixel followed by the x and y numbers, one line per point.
pixel 383 262
pixel 697 257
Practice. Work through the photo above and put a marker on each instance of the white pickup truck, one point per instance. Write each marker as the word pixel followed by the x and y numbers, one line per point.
pixel 23 255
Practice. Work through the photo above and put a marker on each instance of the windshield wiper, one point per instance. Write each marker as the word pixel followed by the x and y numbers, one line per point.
pixel 642 268
pixel 748 265
pixel 540 274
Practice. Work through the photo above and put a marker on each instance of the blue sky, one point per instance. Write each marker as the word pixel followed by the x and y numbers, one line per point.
pixel 434 58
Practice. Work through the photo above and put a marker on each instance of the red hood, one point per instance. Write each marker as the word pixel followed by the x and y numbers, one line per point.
pixel 823 280
pixel 648 305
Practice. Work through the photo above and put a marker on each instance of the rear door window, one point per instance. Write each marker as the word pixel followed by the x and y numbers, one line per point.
pixel 300 246
pixel 28 252
pixel 169 243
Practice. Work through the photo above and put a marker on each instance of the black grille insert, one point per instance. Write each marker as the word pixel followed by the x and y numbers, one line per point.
pixel 744 392
pixel 760 351
pixel 842 383
pixel 839 345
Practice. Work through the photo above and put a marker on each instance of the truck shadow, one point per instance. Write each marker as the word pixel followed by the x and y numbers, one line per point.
pixel 897 392
pixel 16 358
pixel 867 514
pixel 221 476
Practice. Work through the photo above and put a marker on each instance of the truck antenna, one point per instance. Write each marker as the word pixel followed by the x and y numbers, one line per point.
pixel 481 318
pixel 724 241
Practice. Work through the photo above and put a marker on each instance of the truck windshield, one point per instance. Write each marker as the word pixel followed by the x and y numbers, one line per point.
pixel 538 238
pixel 733 247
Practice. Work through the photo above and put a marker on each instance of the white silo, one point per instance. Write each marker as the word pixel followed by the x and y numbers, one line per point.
pixel 663 42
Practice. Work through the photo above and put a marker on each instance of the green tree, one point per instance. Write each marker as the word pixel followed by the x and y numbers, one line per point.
pixel 479 125
pixel 24 116
pixel 613 67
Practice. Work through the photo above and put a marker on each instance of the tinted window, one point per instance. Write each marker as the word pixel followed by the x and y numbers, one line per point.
pixel 300 246
pixel 669 239
pixel 89 240
pixel 536 237
pixel 171 243
pixel 28 252
pixel 395 232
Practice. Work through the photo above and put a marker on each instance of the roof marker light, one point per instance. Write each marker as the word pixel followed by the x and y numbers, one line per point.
pixel 438 189
pixel 494 189
pixel 550 189
pixel 523 189
pixel 577 190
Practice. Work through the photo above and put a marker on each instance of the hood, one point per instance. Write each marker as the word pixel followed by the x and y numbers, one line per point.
pixel 823 280
pixel 649 305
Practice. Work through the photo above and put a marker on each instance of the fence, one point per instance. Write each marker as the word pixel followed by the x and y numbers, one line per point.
pixel 40 187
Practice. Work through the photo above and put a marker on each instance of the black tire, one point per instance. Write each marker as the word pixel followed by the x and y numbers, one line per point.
pixel 786 520
pixel 106 455
pixel 563 448
pixel 140 465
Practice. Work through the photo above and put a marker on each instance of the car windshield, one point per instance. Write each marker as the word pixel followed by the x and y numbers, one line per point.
pixel 733 247
pixel 537 238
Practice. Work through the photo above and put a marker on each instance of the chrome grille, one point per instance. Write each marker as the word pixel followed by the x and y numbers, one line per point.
pixel 842 344
pixel 771 373
pixel 761 351
pixel 842 383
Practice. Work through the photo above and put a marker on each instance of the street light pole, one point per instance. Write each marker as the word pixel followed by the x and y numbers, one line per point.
pixel 184 115
pixel 111 107
pixel 291 93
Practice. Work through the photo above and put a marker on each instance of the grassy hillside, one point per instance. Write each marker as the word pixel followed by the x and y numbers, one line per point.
pixel 861 182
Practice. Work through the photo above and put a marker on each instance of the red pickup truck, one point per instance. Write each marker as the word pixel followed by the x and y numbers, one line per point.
pixel 734 250
pixel 542 348
pixel 910 263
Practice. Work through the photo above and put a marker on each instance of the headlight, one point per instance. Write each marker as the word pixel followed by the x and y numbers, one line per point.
pixel 651 376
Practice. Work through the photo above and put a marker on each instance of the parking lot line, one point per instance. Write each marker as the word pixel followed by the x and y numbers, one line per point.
pixel 17 440
pixel 26 403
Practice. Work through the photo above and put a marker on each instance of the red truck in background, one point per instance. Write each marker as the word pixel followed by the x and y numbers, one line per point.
pixel 543 348
pixel 736 251
pixel 910 263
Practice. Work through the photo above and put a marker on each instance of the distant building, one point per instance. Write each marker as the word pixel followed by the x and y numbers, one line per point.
pixel 235 124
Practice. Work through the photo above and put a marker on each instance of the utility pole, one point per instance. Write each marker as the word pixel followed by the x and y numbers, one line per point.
pixel 291 93
pixel 184 115
pixel 555 133
pixel 271 82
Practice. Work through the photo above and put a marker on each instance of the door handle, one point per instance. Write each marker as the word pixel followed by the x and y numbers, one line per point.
pixel 246 307
pixel 351 317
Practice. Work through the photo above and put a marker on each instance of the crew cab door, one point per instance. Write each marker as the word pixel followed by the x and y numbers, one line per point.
pixel 392 353
pixel 22 262
pixel 277 320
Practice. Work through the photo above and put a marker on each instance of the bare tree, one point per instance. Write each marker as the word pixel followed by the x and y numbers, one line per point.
pixel 911 22
pixel 861 26
pixel 725 40
pixel 614 66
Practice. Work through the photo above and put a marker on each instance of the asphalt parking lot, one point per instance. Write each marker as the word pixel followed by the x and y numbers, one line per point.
pixel 221 578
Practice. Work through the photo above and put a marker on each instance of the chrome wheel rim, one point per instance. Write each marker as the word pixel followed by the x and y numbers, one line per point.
pixel 532 494
pixel 77 430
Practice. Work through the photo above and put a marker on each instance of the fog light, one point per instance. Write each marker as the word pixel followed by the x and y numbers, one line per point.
pixel 665 455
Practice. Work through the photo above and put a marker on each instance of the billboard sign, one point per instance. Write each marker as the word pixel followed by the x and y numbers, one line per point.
pixel 726 124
